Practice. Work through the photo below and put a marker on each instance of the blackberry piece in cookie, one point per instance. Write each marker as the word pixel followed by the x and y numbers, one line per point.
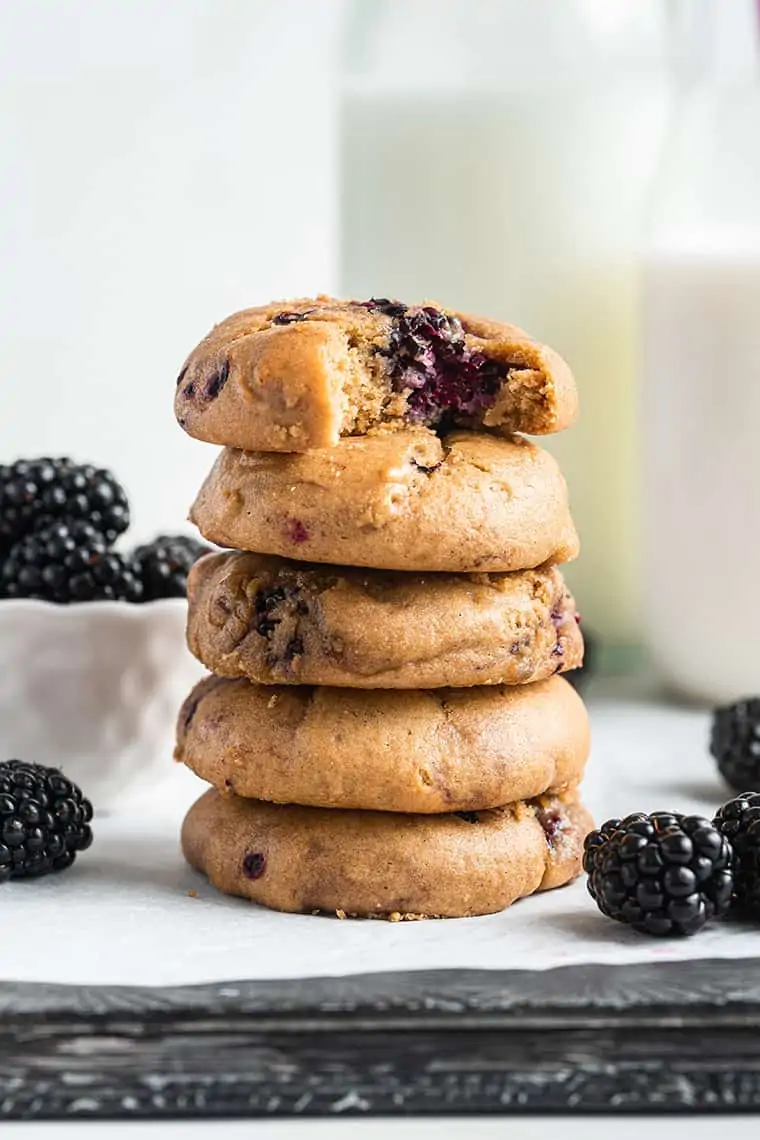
pixel 296 375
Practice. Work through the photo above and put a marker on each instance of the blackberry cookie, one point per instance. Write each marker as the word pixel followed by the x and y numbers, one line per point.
pixel 396 500
pixel 281 622
pixel 376 864
pixel 425 751
pixel 296 375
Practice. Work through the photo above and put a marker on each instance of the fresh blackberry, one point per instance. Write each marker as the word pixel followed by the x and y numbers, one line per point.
pixel 735 743
pixel 662 874
pixel 37 492
pixel 739 821
pixel 69 562
pixel 165 563
pixel 44 821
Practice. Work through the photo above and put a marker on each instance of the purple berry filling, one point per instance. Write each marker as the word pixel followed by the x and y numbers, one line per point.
pixel 558 618
pixel 216 381
pixel 264 620
pixel 190 712
pixel 383 305
pixel 286 318
pixel 428 355
pixel 553 823
pixel 427 470
pixel 296 531
pixel 293 649
pixel 254 864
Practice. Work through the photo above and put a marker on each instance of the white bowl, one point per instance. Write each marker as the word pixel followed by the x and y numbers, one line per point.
pixel 94 689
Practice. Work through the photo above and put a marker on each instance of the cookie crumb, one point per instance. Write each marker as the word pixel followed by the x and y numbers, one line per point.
pixel 192 894
pixel 340 914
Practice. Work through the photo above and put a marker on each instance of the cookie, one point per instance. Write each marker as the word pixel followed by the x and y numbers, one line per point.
pixel 377 864
pixel 422 752
pixel 281 622
pixel 296 375
pixel 397 500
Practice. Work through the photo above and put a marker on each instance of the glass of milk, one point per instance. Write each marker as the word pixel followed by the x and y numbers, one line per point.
pixel 701 373
pixel 497 157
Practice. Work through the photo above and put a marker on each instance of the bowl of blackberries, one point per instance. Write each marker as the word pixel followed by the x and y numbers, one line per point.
pixel 92 628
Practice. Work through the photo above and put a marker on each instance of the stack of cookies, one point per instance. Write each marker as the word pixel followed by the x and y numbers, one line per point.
pixel 384 729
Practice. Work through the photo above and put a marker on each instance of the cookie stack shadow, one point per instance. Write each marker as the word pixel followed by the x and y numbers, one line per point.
pixel 384 725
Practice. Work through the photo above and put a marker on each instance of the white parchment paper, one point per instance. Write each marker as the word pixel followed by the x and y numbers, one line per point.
pixel 123 915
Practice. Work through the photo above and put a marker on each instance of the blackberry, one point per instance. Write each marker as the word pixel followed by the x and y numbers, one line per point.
pixel 164 564
pixel 662 874
pixel 44 821
pixel 36 492
pixel 735 743
pixel 69 562
pixel 739 821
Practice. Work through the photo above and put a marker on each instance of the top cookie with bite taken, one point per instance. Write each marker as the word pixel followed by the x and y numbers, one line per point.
pixel 297 375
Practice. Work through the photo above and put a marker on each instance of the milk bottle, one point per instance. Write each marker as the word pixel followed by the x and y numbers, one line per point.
pixel 497 157
pixel 701 374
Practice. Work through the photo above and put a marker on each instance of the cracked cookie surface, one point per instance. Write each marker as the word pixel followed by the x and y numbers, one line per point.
pixel 296 375
pixel 396 500
pixel 281 622
pixel 423 751
pixel 378 864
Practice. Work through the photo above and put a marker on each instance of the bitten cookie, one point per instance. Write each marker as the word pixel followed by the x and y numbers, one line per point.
pixel 423 752
pixel 378 864
pixel 296 375
pixel 281 622
pixel 397 500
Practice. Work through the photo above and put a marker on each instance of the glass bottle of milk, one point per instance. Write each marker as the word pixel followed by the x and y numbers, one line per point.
pixel 496 156
pixel 701 373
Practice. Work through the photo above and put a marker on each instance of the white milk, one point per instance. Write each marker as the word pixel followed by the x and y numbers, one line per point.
pixel 525 205
pixel 702 508
pixel 701 379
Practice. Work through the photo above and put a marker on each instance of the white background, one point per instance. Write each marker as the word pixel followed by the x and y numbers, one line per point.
pixel 161 164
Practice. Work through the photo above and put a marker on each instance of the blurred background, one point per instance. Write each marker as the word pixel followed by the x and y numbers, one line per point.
pixel 589 169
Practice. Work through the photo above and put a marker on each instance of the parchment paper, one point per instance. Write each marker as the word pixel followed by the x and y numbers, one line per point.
pixel 123 915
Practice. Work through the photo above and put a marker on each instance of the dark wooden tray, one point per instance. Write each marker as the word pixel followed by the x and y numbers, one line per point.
pixel 669 1037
